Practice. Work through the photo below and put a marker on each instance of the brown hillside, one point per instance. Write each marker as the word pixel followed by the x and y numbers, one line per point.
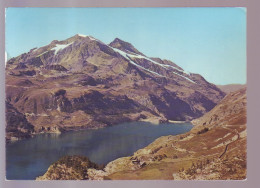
pixel 215 149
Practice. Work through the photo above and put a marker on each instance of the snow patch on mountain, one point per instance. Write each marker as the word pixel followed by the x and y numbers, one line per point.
pixel 185 77
pixel 80 35
pixel 60 47
pixel 162 65
pixel 126 55
pixel 42 53
pixel 144 57
pixel 92 38
pixel 187 72
pixel 35 49
pixel 167 66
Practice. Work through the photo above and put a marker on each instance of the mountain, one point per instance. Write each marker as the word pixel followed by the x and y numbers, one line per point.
pixel 231 111
pixel 231 87
pixel 215 149
pixel 125 47
pixel 82 82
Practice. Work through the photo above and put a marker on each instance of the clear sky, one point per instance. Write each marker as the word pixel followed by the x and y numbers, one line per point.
pixel 208 41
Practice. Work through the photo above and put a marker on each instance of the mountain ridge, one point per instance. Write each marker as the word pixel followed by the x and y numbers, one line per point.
pixel 82 82
pixel 228 88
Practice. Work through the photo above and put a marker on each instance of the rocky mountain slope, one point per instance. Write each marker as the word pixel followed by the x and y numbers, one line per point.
pixel 18 126
pixel 70 168
pixel 231 87
pixel 223 113
pixel 81 82
pixel 214 149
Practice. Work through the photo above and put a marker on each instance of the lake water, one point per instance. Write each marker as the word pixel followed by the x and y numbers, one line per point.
pixel 30 158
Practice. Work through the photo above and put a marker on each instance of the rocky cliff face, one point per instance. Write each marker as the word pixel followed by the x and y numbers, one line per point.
pixel 70 168
pixel 17 124
pixel 83 83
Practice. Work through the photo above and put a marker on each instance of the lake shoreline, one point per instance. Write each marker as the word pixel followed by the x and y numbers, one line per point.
pixel 126 138
pixel 155 121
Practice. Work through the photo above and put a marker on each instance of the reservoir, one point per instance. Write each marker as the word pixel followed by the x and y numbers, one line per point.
pixel 29 158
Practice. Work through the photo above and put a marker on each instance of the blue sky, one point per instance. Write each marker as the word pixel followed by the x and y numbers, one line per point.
pixel 208 41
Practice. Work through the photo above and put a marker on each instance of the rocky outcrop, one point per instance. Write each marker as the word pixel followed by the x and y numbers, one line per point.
pixel 56 67
pixel 124 46
pixel 17 126
pixel 70 168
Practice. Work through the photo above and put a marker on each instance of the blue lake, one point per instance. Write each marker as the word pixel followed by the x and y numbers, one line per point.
pixel 30 158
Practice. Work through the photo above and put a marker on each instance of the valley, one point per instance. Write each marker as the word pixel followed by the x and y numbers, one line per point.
pixel 82 84
pixel 210 151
